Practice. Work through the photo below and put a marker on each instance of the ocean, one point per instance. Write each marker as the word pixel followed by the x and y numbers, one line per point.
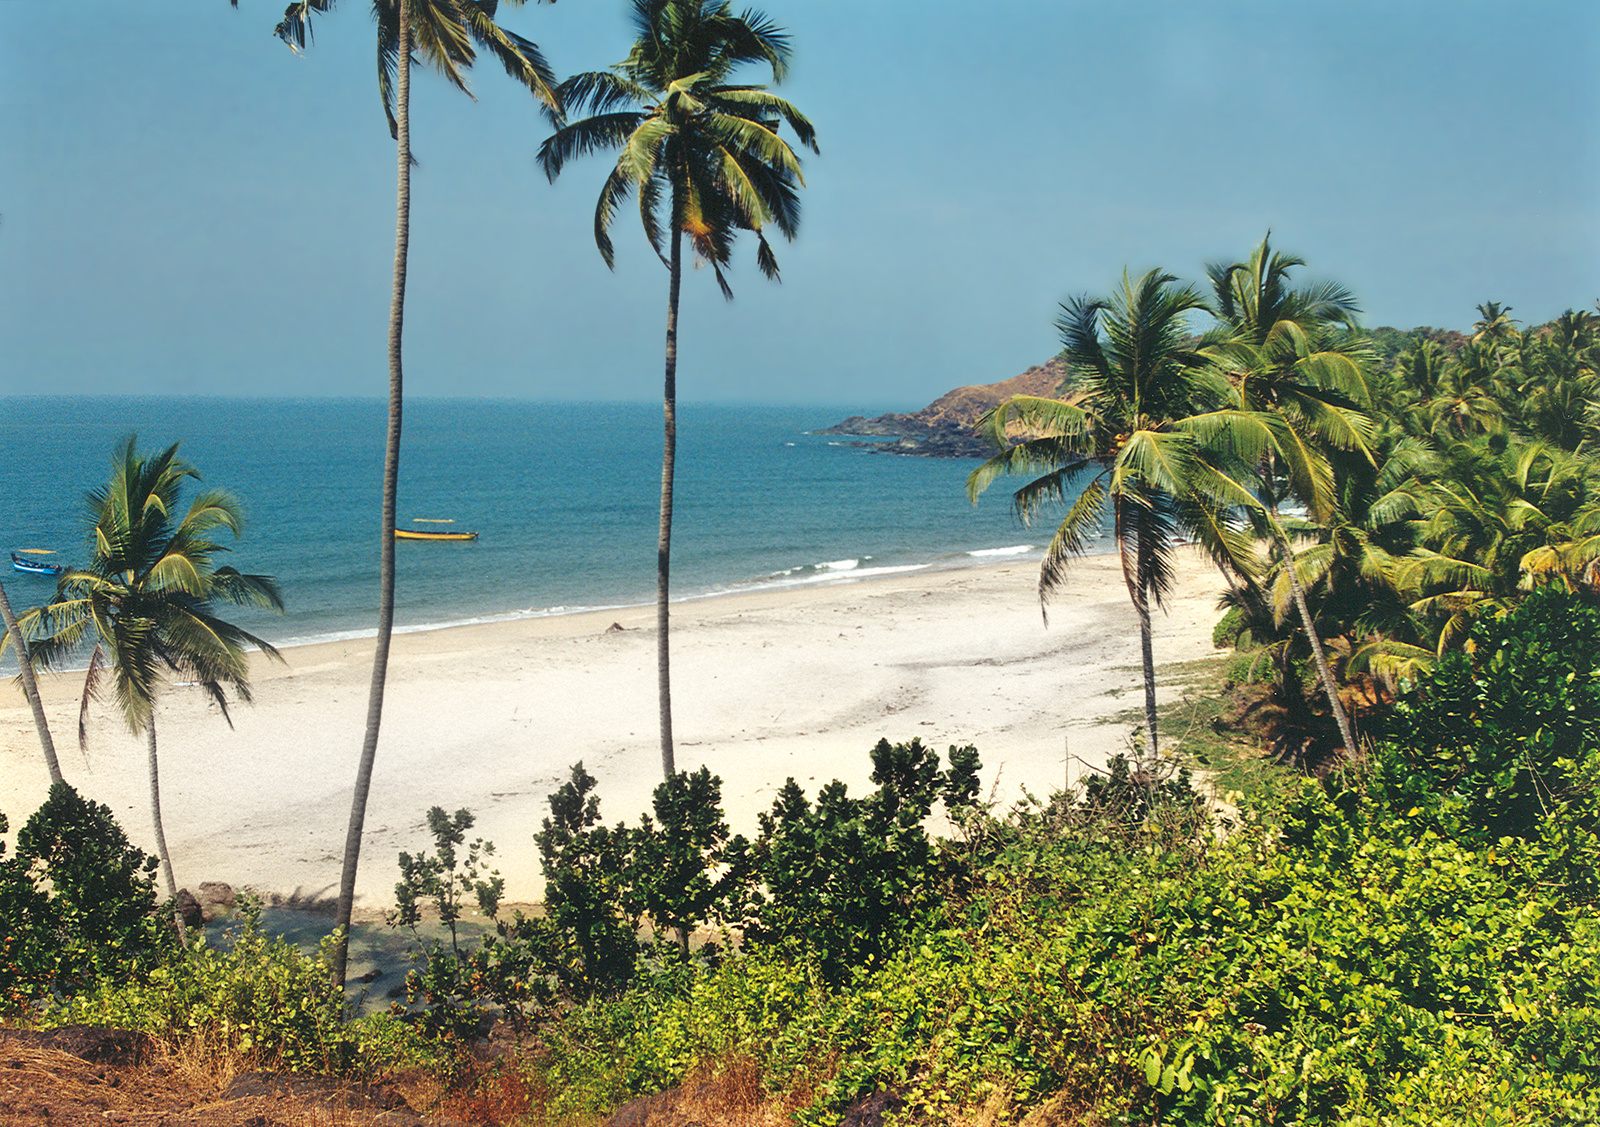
pixel 562 495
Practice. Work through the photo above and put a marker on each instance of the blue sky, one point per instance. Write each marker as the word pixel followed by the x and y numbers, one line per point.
pixel 189 208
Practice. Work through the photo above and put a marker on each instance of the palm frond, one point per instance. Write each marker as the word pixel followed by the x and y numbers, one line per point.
pixel 295 27
pixel 1072 538
pixel 1163 462
pixel 756 97
pixel 601 133
pixel 1051 455
pixel 602 92
pixel 521 58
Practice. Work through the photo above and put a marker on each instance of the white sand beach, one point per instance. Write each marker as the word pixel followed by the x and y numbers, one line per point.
pixel 766 686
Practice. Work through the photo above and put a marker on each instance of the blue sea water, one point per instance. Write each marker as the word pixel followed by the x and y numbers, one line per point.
pixel 563 496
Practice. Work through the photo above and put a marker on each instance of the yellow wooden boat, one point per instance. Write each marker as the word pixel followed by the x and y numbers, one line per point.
pixel 419 534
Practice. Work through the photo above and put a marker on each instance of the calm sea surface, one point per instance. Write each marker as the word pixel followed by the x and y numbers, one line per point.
pixel 563 496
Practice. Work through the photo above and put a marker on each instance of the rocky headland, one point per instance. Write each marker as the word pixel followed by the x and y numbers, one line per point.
pixel 945 427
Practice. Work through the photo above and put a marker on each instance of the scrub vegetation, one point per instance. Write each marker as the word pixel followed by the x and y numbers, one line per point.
pixel 1411 938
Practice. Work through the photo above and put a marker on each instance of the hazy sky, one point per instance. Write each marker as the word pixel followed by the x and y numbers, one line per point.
pixel 188 207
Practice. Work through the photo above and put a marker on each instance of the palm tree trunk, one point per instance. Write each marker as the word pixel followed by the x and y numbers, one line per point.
pixel 1323 671
pixel 1141 605
pixel 669 450
pixel 1147 656
pixel 391 489
pixel 30 689
pixel 161 833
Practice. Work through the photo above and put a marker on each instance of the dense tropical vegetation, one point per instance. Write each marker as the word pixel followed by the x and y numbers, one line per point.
pixel 1366 513
pixel 1413 939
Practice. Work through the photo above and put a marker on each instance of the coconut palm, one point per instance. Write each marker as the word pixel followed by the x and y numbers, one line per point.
pixel 1472 390
pixel 145 602
pixel 1156 436
pixel 1284 350
pixel 1558 399
pixel 30 688
pixel 705 160
pixel 444 32
pixel 1494 325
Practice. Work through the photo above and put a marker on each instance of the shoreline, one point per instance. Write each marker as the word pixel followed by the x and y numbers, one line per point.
pixel 969 560
pixel 798 681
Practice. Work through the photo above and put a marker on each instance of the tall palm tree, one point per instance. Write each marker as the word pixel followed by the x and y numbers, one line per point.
pixel 709 153
pixel 1285 351
pixel 146 601
pixel 1156 436
pixel 444 31
pixel 30 688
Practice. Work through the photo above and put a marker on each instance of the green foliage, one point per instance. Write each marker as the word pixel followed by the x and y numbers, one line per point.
pixel 443 878
pixel 450 986
pixel 684 868
pixel 585 870
pixel 1336 962
pixel 1504 741
pixel 77 902
pixel 847 877
pixel 260 999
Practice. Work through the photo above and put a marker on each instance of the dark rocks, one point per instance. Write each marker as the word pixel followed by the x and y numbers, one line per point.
pixel 217 900
pixel 946 427
pixel 188 909
pixel 869 1110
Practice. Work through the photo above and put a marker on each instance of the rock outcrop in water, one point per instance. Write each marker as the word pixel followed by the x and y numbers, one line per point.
pixel 944 428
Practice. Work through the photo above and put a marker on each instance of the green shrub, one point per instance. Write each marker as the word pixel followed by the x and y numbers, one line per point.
pixel 683 868
pixel 77 903
pixel 587 926
pixel 261 999
pixel 848 877
pixel 1503 740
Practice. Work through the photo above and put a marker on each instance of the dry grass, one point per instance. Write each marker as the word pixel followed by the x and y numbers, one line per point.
pixel 186 1087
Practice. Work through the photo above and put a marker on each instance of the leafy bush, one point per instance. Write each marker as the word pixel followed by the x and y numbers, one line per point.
pixel 1499 741
pixel 1338 962
pixel 262 1001
pixel 684 869
pixel 450 987
pixel 77 902
pixel 846 878
pixel 585 865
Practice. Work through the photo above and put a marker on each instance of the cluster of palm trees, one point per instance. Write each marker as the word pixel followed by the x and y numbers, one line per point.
pixel 1365 512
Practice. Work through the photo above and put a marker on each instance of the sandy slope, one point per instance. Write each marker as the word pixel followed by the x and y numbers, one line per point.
pixel 797 683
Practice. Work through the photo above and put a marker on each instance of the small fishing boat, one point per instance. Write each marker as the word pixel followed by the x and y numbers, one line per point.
pixel 36 567
pixel 429 534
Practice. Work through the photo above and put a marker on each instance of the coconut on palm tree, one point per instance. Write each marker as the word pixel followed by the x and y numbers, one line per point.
pixel 444 31
pixel 146 601
pixel 1155 444
pixel 704 158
